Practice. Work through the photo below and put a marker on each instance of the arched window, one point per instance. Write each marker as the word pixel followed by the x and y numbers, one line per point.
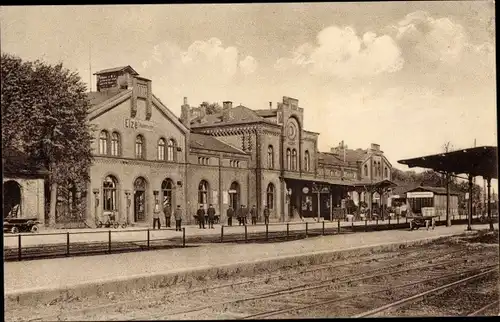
pixel 140 198
pixel 203 193
pixel 161 149
pixel 270 196
pixel 109 202
pixel 307 161
pixel 103 142
pixel 115 144
pixel 167 191
pixel 139 147
pixel 171 150
pixel 294 159
pixel 270 157
pixel 365 170
pixel 234 195
pixel 288 159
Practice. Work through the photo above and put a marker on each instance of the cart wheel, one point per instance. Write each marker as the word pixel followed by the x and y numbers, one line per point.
pixel 116 225
pixel 99 224
pixel 14 230
pixel 124 225
pixel 30 222
pixel 34 229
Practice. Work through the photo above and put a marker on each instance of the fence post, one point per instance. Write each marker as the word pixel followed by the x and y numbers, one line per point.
pixel 397 218
pixel 222 233
pixel 389 220
pixel 109 241
pixel 67 243
pixel 323 228
pixel 267 231
pixel 352 224
pixel 306 228
pixel 338 225
pixel 19 252
pixel 376 221
pixel 183 236
pixel 246 234
pixel 366 224
pixel 406 219
pixel 287 229
pixel 148 238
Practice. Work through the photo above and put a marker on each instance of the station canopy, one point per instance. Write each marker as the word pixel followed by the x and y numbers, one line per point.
pixel 478 161
pixel 383 184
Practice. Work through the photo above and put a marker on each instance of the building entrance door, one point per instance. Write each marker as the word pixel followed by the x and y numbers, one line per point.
pixel 140 200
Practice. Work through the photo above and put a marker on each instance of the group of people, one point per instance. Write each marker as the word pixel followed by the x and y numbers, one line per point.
pixel 242 215
pixel 167 211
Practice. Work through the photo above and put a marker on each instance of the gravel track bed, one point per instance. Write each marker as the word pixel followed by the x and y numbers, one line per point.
pixel 160 303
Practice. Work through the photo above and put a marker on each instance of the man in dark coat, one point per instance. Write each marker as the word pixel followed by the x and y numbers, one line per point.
pixel 230 214
pixel 167 211
pixel 266 215
pixel 239 215
pixel 253 214
pixel 178 218
pixel 244 214
pixel 211 216
pixel 201 217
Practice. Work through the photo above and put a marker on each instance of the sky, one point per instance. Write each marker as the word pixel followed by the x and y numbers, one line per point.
pixel 409 76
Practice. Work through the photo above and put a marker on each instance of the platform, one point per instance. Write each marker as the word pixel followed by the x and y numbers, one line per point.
pixel 52 275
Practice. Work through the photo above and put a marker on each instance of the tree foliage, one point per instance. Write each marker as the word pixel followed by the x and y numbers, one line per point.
pixel 211 108
pixel 44 113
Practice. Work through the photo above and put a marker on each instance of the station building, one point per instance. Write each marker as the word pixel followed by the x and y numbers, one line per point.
pixel 239 156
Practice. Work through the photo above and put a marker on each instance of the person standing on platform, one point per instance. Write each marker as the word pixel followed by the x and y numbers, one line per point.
pixel 239 214
pixel 244 214
pixel 230 213
pixel 167 211
pixel 178 218
pixel 266 215
pixel 211 216
pixel 156 215
pixel 201 217
pixel 253 214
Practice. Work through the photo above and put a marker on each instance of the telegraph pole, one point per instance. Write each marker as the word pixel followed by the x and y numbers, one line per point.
pixel 90 67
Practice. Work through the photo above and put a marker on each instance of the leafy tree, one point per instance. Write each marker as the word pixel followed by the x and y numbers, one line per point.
pixel 211 108
pixel 44 112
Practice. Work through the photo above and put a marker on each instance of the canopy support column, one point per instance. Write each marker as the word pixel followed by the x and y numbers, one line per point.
pixel 469 222
pixel 488 181
pixel 448 217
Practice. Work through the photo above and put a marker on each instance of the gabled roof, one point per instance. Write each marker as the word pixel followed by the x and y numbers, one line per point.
pixel 266 113
pixel 118 69
pixel 240 115
pixel 437 190
pixel 355 155
pixel 98 97
pixel 329 158
pixel 208 142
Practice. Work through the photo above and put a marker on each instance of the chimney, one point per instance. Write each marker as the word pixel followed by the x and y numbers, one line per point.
pixel 202 113
pixel 227 114
pixel 375 147
pixel 186 114
pixel 270 105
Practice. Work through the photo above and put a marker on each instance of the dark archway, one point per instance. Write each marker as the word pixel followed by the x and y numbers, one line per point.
pixel 234 195
pixel 140 198
pixel 11 199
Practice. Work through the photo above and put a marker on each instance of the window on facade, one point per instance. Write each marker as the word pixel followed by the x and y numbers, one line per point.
pixel 270 157
pixel 115 144
pixel 270 196
pixel 170 150
pixel 203 193
pixel 234 195
pixel 288 159
pixel 103 142
pixel 109 202
pixel 161 149
pixel 139 147
pixel 386 172
pixel 365 170
pixel 166 188
pixel 307 161
pixel 294 159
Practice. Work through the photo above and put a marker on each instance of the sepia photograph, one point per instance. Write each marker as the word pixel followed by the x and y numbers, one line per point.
pixel 249 161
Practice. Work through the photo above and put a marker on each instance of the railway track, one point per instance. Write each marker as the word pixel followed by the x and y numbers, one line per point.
pixel 379 262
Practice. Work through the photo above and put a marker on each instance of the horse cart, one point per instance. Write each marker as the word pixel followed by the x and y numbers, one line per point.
pixel 17 225
pixel 422 221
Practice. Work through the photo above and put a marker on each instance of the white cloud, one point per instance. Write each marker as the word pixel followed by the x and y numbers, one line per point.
pixel 248 65
pixel 342 53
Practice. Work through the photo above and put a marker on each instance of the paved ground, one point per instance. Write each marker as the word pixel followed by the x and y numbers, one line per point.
pixel 64 272
pixel 54 236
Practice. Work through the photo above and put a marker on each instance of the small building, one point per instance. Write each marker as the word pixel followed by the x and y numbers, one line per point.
pixel 424 196
pixel 23 186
